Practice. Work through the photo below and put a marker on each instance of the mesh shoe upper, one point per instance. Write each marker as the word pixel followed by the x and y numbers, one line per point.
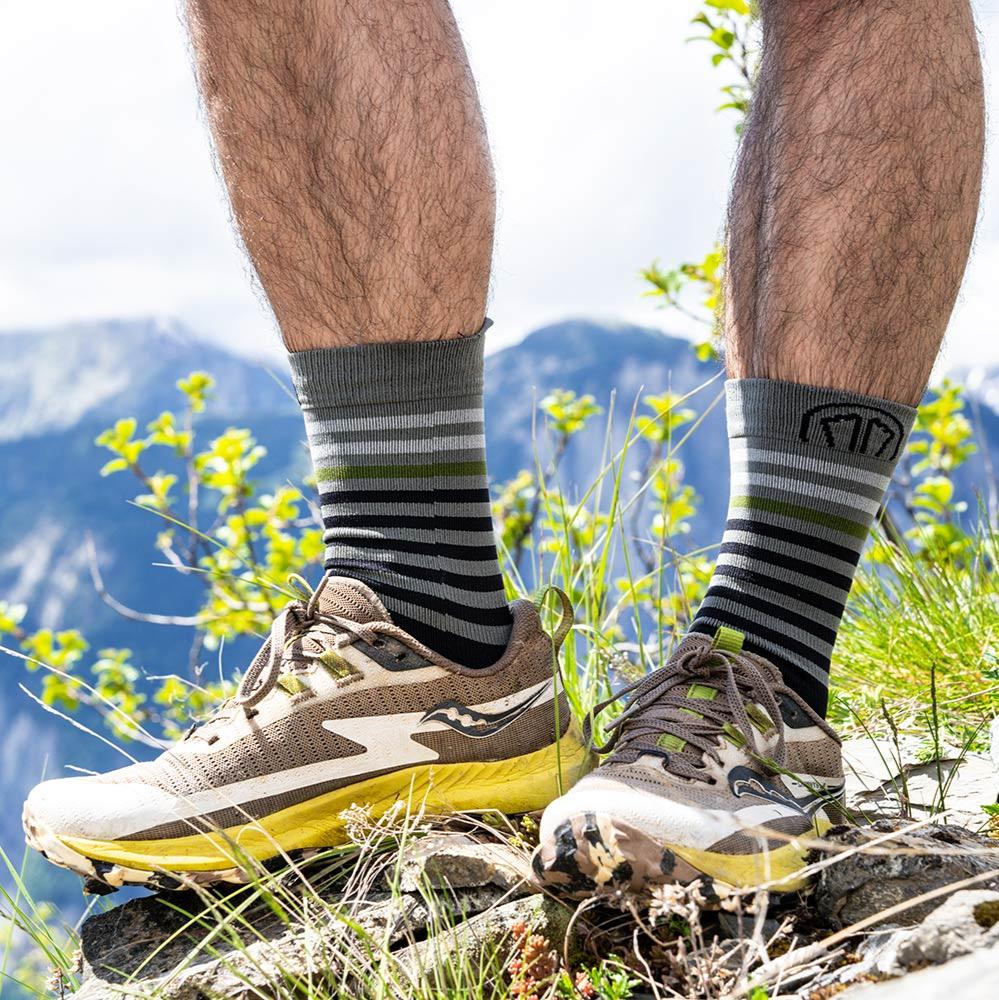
pixel 336 695
pixel 711 751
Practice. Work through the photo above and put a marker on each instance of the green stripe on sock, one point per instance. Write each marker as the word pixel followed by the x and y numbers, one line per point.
pixel 800 513
pixel 338 473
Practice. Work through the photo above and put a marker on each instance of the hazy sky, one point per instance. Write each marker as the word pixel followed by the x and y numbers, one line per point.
pixel 608 156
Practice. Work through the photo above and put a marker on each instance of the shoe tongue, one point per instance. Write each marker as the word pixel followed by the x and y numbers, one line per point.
pixel 353 600
pixel 696 690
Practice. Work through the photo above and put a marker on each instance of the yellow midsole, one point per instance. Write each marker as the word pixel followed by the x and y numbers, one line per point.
pixel 781 864
pixel 516 785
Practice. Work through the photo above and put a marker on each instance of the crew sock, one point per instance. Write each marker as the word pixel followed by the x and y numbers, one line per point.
pixel 809 471
pixel 397 442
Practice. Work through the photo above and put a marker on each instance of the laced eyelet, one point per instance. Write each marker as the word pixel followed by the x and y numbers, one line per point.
pixel 399 657
pixel 378 643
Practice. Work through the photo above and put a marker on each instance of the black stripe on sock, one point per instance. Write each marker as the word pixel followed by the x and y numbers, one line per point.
pixel 475 616
pixel 837 580
pixel 826 604
pixel 774 610
pixel 460 581
pixel 812 542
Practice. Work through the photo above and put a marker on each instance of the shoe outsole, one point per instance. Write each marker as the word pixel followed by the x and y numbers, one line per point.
pixel 592 854
pixel 234 856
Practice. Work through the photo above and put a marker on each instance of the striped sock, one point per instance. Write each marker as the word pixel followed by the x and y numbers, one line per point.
pixel 396 436
pixel 810 469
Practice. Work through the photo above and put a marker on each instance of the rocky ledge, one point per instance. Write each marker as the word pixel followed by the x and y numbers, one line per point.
pixel 922 900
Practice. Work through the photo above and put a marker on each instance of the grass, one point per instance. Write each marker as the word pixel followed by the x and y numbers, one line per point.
pixel 921 637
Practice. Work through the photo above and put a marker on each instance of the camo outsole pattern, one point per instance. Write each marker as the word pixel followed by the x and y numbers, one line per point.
pixel 591 855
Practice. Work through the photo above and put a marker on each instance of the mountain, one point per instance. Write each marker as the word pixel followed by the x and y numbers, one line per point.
pixel 59 388
pixel 56 380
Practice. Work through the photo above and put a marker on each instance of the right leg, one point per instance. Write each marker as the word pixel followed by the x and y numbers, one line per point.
pixel 353 147
pixel 851 218
pixel 352 144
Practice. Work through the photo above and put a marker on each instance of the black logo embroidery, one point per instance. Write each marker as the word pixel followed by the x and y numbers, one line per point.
pixel 863 430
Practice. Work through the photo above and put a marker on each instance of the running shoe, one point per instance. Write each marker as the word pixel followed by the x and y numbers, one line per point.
pixel 717 770
pixel 339 707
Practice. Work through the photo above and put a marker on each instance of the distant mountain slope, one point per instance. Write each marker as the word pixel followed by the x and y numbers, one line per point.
pixel 53 380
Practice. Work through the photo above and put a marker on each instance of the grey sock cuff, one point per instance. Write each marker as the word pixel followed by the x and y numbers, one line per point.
pixel 388 373
pixel 829 419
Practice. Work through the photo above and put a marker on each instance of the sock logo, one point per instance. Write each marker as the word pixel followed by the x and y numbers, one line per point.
pixel 853 427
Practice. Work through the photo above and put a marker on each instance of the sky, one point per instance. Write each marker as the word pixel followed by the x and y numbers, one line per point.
pixel 608 154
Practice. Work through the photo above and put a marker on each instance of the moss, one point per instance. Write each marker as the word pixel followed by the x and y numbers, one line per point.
pixel 986 914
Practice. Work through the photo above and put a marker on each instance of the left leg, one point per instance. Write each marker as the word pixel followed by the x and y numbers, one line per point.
pixel 851 219
pixel 850 224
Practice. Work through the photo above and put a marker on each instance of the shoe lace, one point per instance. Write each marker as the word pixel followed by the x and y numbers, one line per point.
pixel 294 621
pixel 660 704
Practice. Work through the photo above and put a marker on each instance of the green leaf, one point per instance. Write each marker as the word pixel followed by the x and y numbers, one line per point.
pixel 736 6
pixel 114 465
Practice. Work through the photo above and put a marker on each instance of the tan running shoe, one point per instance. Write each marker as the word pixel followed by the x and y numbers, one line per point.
pixel 716 768
pixel 340 706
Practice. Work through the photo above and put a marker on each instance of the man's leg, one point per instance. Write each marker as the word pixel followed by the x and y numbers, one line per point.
pixel 353 148
pixel 852 213
pixel 850 223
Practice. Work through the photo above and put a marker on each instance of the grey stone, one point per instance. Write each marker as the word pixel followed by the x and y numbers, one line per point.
pixel 158 942
pixel 882 777
pixel 972 977
pixel 966 922
pixel 864 884
pixel 325 949
pixel 456 861
pixel 443 891
pixel 735 926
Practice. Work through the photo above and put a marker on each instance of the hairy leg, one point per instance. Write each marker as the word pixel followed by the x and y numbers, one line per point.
pixel 351 141
pixel 856 193
pixel 851 218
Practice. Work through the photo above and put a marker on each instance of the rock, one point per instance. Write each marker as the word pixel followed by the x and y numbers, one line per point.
pixel 879 775
pixel 737 926
pixel 972 977
pixel 317 935
pixel 456 861
pixel 966 922
pixel 157 944
pixel 326 949
pixel 540 913
pixel 864 884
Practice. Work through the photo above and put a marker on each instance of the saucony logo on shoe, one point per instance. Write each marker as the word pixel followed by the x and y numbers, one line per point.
pixel 479 725
pixel 744 781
